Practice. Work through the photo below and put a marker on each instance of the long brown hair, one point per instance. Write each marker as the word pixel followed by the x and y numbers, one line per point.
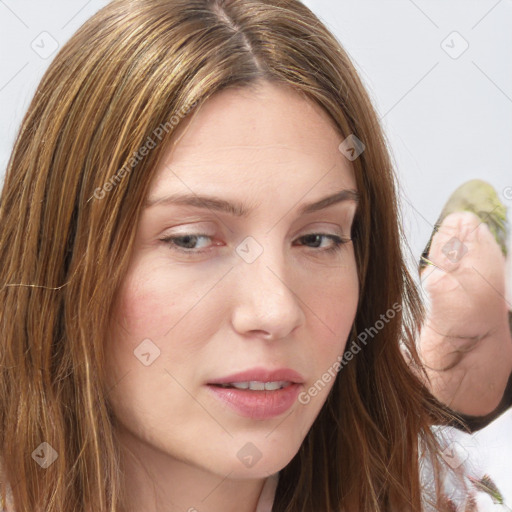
pixel 73 191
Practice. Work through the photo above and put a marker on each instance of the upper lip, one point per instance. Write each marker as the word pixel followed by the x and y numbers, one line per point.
pixel 262 375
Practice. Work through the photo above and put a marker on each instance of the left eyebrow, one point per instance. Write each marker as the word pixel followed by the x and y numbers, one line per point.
pixel 240 210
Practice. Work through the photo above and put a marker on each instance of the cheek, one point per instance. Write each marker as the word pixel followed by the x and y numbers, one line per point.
pixel 143 307
pixel 334 301
pixel 332 308
pixel 167 306
pixel 151 301
pixel 333 311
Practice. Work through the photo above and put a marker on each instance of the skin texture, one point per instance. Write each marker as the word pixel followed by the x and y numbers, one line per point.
pixel 214 314
pixel 465 342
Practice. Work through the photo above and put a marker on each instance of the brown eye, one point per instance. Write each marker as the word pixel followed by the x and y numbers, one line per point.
pixel 316 240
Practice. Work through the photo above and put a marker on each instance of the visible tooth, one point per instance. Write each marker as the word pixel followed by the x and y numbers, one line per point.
pixel 272 386
pixel 257 385
pixel 240 385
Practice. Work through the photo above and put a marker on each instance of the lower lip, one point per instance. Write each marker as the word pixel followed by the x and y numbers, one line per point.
pixel 258 405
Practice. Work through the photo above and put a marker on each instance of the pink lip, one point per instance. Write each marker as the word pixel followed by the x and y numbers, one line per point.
pixel 259 405
pixel 262 375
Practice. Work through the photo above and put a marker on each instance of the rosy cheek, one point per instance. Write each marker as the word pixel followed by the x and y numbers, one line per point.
pixel 138 306
pixel 156 298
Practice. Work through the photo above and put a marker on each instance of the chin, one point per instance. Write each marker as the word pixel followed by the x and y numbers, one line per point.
pixel 254 458
pixel 268 461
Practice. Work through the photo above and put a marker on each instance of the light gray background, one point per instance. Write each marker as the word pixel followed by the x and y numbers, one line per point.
pixel 447 117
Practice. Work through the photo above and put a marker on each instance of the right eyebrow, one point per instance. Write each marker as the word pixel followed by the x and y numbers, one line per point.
pixel 240 210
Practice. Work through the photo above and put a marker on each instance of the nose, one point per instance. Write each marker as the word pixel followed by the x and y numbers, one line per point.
pixel 264 303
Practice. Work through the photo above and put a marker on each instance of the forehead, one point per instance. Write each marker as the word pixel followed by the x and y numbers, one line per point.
pixel 265 136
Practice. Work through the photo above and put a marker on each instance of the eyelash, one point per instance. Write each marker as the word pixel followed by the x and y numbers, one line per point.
pixel 170 241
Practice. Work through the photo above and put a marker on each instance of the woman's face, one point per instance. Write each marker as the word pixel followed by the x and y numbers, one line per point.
pixel 235 279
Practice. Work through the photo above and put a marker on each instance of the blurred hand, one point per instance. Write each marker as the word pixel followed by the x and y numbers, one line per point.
pixel 465 342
